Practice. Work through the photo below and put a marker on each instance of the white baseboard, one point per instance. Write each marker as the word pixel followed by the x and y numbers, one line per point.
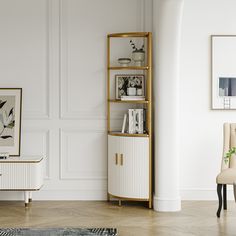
pixel 204 194
pixel 93 195
pixel 89 195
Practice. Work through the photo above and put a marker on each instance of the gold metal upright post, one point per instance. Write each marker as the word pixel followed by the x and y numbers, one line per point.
pixel 108 84
pixel 150 115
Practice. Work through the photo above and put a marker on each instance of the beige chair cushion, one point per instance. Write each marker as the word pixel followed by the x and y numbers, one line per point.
pixel 227 176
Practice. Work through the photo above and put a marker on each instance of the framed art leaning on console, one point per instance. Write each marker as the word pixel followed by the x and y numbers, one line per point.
pixel 10 120
pixel 223 74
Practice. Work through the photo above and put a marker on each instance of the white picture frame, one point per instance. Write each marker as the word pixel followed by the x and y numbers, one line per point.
pixel 223 71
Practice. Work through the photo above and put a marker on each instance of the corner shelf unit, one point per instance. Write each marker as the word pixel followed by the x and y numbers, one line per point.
pixel 130 155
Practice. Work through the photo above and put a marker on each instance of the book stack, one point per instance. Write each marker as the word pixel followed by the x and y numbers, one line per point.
pixel 132 98
pixel 136 121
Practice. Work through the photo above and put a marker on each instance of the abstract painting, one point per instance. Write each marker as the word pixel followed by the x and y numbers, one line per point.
pixel 10 120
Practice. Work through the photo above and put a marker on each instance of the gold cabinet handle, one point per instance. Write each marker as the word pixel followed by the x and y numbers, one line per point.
pixel 121 159
pixel 116 159
pixel 0 174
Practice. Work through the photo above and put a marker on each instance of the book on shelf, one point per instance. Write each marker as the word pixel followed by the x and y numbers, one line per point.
pixel 124 123
pixel 131 114
pixel 132 98
pixel 136 119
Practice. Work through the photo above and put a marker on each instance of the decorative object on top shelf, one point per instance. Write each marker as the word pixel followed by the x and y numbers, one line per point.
pixel 125 82
pixel 10 120
pixel 124 61
pixel 138 54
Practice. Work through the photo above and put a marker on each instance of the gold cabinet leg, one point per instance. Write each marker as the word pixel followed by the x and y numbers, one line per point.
pixel 150 204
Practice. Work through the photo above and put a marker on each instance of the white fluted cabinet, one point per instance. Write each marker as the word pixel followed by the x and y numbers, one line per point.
pixel 21 174
pixel 128 167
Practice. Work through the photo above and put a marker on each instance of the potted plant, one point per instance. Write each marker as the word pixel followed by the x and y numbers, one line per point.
pixel 138 54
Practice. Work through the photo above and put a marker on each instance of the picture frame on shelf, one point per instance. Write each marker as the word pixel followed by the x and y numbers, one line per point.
pixel 10 120
pixel 125 81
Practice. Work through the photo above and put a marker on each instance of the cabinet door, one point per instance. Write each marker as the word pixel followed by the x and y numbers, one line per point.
pixel 113 165
pixel 134 171
pixel 15 176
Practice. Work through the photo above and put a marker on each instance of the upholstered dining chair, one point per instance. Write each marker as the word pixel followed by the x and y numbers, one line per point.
pixel 228 169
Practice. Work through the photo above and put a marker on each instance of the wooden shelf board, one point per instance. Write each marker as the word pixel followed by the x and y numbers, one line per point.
pixel 128 68
pixel 115 133
pixel 129 34
pixel 129 101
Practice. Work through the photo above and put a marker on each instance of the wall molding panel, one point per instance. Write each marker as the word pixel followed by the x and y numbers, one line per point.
pixel 45 112
pixel 65 111
pixel 97 154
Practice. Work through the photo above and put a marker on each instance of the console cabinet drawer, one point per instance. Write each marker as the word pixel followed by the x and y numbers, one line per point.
pixel 20 176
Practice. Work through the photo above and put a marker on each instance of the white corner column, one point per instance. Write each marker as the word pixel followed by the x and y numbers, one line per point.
pixel 167 15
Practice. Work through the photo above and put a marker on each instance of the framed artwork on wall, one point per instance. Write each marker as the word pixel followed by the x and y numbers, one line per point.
pixel 123 82
pixel 10 120
pixel 223 59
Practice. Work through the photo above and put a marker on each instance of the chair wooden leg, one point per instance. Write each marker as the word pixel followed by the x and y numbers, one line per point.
pixel 225 196
pixel 219 193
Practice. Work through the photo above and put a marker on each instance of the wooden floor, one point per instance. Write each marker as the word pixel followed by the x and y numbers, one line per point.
pixel 196 218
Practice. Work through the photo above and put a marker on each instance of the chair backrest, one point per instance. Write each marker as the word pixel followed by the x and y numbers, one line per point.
pixel 229 142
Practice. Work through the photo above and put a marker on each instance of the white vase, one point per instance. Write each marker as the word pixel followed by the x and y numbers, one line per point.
pixel 138 58
pixel 139 92
pixel 131 91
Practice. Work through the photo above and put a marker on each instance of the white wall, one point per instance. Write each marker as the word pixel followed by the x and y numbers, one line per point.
pixel 56 51
pixel 201 127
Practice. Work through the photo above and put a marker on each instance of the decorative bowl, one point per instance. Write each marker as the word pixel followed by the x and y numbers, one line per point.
pixel 124 61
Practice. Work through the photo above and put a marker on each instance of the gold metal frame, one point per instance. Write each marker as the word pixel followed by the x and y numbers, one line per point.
pixel 128 198
pixel 148 102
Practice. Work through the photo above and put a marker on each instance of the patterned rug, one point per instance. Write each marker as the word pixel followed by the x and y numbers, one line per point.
pixel 59 232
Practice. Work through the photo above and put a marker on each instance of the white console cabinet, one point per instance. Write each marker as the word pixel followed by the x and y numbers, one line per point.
pixel 128 167
pixel 21 174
